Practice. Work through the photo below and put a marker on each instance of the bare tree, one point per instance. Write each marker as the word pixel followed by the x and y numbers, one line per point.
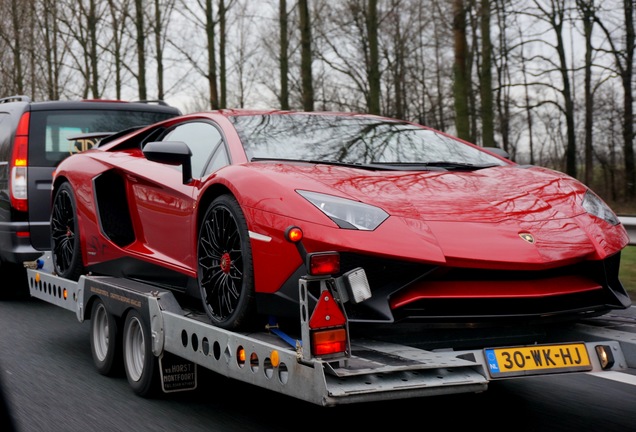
pixel 502 66
pixel 283 58
pixel 460 69
pixel 16 11
pixel 306 55
pixel 49 32
pixel 223 12
pixel 80 23
pixel 140 38
pixel 201 14
pixel 119 14
pixel 554 14
pixel 162 13
pixel 374 59
pixel 485 77
pixel 624 63
pixel 587 10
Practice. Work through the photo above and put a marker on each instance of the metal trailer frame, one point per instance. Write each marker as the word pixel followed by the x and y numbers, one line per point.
pixel 374 371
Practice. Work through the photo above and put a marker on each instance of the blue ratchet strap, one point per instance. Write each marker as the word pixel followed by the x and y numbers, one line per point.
pixel 272 326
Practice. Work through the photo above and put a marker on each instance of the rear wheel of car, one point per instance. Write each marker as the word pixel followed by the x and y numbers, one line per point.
pixel 105 340
pixel 225 271
pixel 65 239
pixel 140 363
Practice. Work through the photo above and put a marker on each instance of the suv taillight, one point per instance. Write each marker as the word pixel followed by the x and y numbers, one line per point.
pixel 18 166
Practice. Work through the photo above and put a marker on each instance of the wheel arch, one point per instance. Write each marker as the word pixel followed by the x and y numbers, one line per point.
pixel 56 185
pixel 209 195
pixel 88 307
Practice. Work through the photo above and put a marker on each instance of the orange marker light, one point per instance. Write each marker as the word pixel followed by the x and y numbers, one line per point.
pixel 294 234
pixel 274 358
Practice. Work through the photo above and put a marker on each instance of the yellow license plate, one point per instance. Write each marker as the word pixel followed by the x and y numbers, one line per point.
pixel 537 360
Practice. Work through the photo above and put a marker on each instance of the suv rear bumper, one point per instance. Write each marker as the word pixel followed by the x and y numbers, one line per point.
pixel 16 249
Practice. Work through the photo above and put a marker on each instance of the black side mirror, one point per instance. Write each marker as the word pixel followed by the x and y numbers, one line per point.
pixel 171 153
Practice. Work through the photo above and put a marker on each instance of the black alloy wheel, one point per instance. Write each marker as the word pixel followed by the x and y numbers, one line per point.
pixel 65 239
pixel 225 270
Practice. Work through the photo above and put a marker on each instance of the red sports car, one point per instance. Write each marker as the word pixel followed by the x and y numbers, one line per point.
pixel 446 232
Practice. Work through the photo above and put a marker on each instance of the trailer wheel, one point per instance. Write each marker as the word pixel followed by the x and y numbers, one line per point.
pixel 105 340
pixel 139 361
pixel 225 269
pixel 65 239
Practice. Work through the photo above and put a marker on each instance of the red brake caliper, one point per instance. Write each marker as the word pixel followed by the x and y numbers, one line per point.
pixel 226 263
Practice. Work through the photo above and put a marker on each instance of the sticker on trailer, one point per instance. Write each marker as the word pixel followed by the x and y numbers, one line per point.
pixel 177 374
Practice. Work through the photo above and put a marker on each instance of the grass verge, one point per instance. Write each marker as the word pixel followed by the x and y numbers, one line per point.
pixel 627 272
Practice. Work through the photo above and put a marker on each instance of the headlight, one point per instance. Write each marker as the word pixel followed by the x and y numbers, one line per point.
pixel 595 206
pixel 347 213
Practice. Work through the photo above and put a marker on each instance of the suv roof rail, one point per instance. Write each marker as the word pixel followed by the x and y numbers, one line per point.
pixel 15 98
pixel 157 101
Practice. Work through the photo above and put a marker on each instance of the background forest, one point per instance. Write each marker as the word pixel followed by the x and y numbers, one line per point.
pixel 549 81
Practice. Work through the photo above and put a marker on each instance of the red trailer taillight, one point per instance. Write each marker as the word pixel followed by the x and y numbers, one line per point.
pixel 328 327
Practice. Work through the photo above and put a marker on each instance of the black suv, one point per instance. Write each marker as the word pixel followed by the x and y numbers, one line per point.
pixel 34 138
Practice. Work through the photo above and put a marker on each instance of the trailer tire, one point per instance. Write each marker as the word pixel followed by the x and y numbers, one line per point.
pixel 105 340
pixel 139 362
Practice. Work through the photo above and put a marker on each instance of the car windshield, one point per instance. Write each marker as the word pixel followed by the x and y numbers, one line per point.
pixel 352 140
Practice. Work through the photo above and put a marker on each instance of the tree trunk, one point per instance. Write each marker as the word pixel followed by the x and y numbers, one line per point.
pixel 211 74
pixel 586 8
pixel 628 122
pixel 91 21
pixel 118 26
pixel 283 60
pixel 374 66
pixel 159 50
pixel 18 75
pixel 305 56
pixel 222 43
pixel 461 77
pixel 141 49
pixel 487 109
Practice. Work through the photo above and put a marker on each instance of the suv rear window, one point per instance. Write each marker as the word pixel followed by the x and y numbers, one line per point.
pixel 49 130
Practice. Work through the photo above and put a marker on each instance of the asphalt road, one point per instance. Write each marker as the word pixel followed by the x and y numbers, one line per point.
pixel 51 385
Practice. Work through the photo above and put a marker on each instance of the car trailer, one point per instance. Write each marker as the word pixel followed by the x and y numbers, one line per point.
pixel 162 343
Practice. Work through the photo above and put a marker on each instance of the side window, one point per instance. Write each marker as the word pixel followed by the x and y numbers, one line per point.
pixel 205 142
pixel 219 160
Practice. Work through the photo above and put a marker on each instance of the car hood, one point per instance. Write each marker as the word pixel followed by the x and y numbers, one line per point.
pixel 488 211
pixel 486 195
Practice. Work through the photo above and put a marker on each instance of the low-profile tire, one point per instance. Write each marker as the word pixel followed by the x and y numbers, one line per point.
pixel 65 239
pixel 225 269
pixel 139 362
pixel 105 340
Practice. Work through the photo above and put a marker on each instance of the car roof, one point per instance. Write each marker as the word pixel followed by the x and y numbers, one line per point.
pixel 102 104
pixel 249 112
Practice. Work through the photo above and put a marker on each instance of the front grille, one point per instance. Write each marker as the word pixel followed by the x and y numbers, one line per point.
pixel 389 278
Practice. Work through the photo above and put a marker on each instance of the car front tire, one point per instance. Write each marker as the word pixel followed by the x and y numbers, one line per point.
pixel 225 270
